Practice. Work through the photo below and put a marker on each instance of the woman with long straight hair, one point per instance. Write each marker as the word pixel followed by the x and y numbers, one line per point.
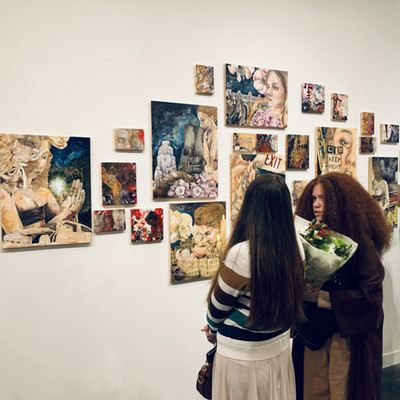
pixel 256 297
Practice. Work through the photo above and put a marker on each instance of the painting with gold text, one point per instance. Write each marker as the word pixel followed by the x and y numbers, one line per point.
pixel 45 190
pixel 197 240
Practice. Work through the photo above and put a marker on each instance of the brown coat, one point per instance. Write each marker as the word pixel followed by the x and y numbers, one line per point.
pixel 356 297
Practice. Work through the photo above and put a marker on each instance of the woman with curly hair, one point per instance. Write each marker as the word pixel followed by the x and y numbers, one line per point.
pixel 256 297
pixel 349 363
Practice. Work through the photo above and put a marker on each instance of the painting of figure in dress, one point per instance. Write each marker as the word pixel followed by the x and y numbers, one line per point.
pixel 367 123
pixel 255 96
pixel 339 106
pixel 336 150
pixel 147 225
pixel 298 151
pixel 383 186
pixel 389 133
pixel 244 169
pixel 184 150
pixel 118 183
pixel 129 139
pixel 197 240
pixel 45 190
pixel 204 79
pixel 313 98
pixel 109 220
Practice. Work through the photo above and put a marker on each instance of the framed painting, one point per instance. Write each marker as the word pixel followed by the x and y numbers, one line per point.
pixel 255 143
pixel 118 183
pixel 383 186
pixel 147 225
pixel 197 240
pixel 109 221
pixel 366 145
pixel 184 150
pixel 45 190
pixel 297 190
pixel 255 96
pixel 336 150
pixel 129 139
pixel 244 169
pixel 367 123
pixel 339 106
pixel 297 151
pixel 313 98
pixel 389 134
pixel 204 79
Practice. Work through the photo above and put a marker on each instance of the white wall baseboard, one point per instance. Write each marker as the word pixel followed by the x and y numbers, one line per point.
pixel 391 359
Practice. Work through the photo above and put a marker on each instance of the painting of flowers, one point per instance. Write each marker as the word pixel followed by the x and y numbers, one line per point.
pixel 313 98
pixel 184 150
pixel 367 123
pixel 389 133
pixel 204 79
pixel 109 220
pixel 367 145
pixel 339 106
pixel 244 169
pixel 45 190
pixel 336 150
pixel 383 186
pixel 255 96
pixel 118 183
pixel 147 225
pixel 197 240
pixel 298 151
pixel 129 139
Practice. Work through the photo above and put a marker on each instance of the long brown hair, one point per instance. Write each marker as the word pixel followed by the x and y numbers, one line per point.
pixel 266 221
pixel 348 209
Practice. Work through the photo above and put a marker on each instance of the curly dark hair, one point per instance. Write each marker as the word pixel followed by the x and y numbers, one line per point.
pixel 348 209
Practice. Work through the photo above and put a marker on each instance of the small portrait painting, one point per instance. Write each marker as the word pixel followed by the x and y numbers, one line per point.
pixel 339 106
pixel 129 139
pixel 313 98
pixel 367 123
pixel 109 220
pixel 367 145
pixel 204 79
pixel 147 225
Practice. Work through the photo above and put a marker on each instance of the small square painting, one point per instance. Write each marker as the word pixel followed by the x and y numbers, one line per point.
pixel 118 183
pixel 367 123
pixel 339 106
pixel 204 79
pixel 313 98
pixel 297 151
pixel 109 220
pixel 147 225
pixel 389 134
pixel 367 145
pixel 129 139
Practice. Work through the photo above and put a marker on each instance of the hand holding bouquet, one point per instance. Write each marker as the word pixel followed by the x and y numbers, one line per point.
pixel 326 251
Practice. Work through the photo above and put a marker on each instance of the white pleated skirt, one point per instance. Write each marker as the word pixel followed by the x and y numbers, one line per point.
pixel 268 379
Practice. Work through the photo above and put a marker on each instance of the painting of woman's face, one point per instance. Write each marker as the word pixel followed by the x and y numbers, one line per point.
pixel 206 122
pixel 275 91
pixel 36 167
pixel 346 139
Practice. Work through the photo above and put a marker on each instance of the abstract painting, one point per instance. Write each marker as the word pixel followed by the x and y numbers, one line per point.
pixel 336 150
pixel 297 189
pixel 389 133
pixel 185 150
pixel 244 169
pixel 367 123
pixel 313 98
pixel 255 96
pixel 204 79
pixel 197 240
pixel 339 106
pixel 109 220
pixel 383 186
pixel 255 143
pixel 45 190
pixel 129 139
pixel 118 183
pixel 147 225
pixel 297 151
pixel 367 145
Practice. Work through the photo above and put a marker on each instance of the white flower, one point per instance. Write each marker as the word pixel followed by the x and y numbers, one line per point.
pixel 181 226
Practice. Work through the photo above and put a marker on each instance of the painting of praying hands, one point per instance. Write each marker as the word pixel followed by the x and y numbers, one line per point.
pixel 184 150
pixel 255 96
pixel 45 190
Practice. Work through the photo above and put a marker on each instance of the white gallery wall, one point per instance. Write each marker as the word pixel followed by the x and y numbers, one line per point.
pixel 101 321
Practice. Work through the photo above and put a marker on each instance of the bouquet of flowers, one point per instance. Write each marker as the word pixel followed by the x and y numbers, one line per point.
pixel 326 251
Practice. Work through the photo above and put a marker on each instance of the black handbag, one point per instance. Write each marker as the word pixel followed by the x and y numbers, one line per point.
pixel 204 378
pixel 318 328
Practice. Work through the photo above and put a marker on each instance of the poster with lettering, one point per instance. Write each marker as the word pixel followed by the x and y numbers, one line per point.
pixel 336 150
pixel 245 168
